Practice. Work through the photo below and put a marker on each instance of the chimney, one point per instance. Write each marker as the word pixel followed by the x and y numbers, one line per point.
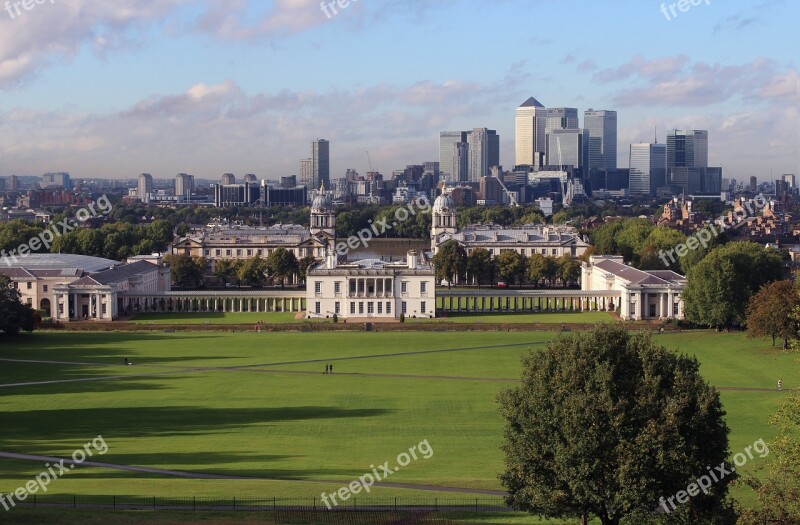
pixel 412 260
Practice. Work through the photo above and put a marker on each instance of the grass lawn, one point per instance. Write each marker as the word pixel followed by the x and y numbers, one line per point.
pixel 258 405
pixel 217 318
pixel 542 318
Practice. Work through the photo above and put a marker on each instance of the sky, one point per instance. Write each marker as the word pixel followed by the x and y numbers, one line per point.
pixel 114 88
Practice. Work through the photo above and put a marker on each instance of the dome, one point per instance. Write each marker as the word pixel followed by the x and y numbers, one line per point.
pixel 321 202
pixel 444 203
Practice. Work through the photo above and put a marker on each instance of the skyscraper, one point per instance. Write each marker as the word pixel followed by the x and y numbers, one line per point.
pixel 184 186
pixel 648 168
pixel 602 128
pixel 144 187
pixel 484 152
pixel 305 173
pixel 448 149
pixel 753 184
pixel 228 179
pixel 530 124
pixel 320 164
pixel 687 148
pixel 460 163
pixel 559 118
pixel 569 147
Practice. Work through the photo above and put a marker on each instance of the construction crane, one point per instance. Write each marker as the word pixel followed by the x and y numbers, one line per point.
pixel 369 160
pixel 511 197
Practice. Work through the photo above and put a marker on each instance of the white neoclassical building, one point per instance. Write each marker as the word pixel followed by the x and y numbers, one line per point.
pixel 526 240
pixel 644 294
pixel 371 288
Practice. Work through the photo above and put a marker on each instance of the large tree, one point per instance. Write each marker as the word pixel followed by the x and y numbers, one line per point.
pixel 304 264
pixel 720 286
pixel 14 316
pixel 771 312
pixel 511 266
pixel 281 265
pixel 450 262
pixel 480 267
pixel 251 272
pixel 606 423
pixel 569 270
pixel 186 271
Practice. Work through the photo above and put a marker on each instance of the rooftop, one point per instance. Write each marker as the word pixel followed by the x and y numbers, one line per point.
pixel 59 261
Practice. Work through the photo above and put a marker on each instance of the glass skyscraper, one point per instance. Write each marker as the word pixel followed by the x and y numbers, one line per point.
pixel 648 168
pixel 448 147
pixel 320 164
pixel 687 148
pixel 530 123
pixel 602 128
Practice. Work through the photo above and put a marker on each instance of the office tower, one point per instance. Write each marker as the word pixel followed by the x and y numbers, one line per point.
pixel 568 147
pixel 228 179
pixel 530 124
pixel 448 144
pixel 753 184
pixel 559 118
pixel 648 168
pixel 695 181
pixel 144 187
pixel 460 162
pixel 484 152
pixel 320 164
pixel 184 186
pixel 251 178
pixel 790 181
pixel 305 173
pixel 13 183
pixel 687 148
pixel 56 180
pixel 602 128
pixel 2 184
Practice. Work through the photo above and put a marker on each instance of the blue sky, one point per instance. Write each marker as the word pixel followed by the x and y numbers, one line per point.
pixel 112 88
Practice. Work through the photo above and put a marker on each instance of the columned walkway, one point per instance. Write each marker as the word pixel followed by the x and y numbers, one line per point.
pixel 214 301
pixel 527 300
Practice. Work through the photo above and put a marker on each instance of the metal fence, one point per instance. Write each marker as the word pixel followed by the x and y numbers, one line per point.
pixel 275 505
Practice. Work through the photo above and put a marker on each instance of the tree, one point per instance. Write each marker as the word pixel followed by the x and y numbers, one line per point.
pixel 720 286
pixel 303 265
pixel 511 266
pixel 771 312
pixel 480 267
pixel 536 268
pixel 450 262
pixel 226 269
pixel 186 271
pixel 569 270
pixel 281 265
pixel 14 316
pixel 607 423
pixel 251 271
pixel 550 269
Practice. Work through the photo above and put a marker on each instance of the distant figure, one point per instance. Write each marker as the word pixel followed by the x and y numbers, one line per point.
pixel 661 330
pixel 126 362
pixel 331 368
pixel 780 385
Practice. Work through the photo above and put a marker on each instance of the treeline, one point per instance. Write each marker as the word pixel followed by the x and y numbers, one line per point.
pixel 452 263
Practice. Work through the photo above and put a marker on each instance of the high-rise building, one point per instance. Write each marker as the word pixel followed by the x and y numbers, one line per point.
pixel 305 173
pixel 320 164
pixel 460 162
pixel 602 128
pixel 790 181
pixel 448 150
pixel 569 147
pixel 228 179
pixel 13 183
pixel 144 187
pixel 559 118
pixel 56 180
pixel 695 181
pixel 530 124
pixel 648 168
pixel 484 152
pixel 687 148
pixel 251 178
pixel 2 184
pixel 184 187
pixel 753 184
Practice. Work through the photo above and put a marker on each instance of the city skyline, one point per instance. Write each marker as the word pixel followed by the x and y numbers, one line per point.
pixel 206 88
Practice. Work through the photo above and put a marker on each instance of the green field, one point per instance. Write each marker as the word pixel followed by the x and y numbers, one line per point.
pixel 199 318
pixel 258 405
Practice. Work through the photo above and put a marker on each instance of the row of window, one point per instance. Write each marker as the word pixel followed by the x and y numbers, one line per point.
pixel 371 307
pixel 245 252
pixel 358 286
pixel 29 286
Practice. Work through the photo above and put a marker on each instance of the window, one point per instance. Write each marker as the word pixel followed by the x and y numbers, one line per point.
pixel 318 307
pixel 208 252
pixel 103 309
pixel 422 307
pixel 555 251
pixel 61 308
pixel 361 307
pixel 404 287
pixel 30 301
pixel 405 308
pixel 228 253
pixel 370 307
pixel 352 286
pixel 544 251
pixel 317 287
pixel 388 307
pixel 249 253
pixel 238 253
pixel 337 308
pixel 423 287
pixel 44 288
pixel 219 252
pixel 337 287
pixel 352 308
pixel 380 307
pixel 30 285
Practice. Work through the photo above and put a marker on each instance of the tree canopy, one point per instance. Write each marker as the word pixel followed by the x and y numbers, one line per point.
pixel 14 316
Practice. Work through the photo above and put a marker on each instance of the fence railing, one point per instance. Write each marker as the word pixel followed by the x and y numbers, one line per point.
pixel 255 504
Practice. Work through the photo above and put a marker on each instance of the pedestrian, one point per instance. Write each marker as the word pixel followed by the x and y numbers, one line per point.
pixel 331 369
pixel 126 361
pixel 780 385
